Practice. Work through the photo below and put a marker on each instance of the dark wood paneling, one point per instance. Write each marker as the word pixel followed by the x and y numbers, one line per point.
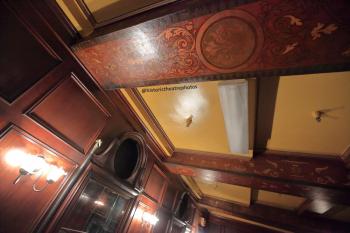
pixel 73 113
pixel 36 74
pixel 177 226
pixel 143 204
pixel 21 207
pixel 57 20
pixel 261 42
pixel 156 184
pixel 96 185
pixel 170 196
pixel 164 221
pixel 24 60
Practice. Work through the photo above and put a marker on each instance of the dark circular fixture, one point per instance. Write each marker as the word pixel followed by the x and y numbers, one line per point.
pixel 126 158
pixel 183 206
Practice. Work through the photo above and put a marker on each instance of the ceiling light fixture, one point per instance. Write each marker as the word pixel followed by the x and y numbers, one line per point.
pixel 234 103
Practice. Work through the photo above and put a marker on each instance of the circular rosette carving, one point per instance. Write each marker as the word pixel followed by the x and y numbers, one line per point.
pixel 229 41
pixel 177 45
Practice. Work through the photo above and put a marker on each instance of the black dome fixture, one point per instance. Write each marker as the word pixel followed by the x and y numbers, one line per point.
pixel 183 206
pixel 125 158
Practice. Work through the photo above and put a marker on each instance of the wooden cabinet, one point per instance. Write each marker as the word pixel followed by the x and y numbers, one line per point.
pixel 48 106
pixel 138 224
pixel 99 207
pixel 156 184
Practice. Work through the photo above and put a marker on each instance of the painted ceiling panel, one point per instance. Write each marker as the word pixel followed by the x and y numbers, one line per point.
pixel 294 126
pixel 226 192
pixel 173 107
pixel 278 200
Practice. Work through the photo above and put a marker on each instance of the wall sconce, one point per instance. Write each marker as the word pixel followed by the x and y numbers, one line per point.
pixel 149 218
pixel 33 164
pixel 188 230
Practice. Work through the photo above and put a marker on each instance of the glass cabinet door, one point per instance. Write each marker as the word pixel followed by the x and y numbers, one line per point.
pixel 97 210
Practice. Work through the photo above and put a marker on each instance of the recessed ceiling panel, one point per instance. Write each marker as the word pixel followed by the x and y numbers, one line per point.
pixel 295 127
pixel 226 192
pixel 278 200
pixel 190 115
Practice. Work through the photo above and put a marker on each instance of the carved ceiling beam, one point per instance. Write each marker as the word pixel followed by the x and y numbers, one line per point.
pixel 307 168
pixel 220 41
pixel 315 179
pixel 276 217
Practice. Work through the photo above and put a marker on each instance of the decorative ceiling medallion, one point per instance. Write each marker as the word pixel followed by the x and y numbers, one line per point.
pixel 229 41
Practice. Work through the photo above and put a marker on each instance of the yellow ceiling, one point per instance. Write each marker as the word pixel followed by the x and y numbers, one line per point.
pixel 101 11
pixel 226 192
pixel 172 108
pixel 278 200
pixel 295 129
pixel 201 103
pixel 107 9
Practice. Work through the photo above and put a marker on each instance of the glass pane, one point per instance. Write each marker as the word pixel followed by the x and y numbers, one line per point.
pixel 97 210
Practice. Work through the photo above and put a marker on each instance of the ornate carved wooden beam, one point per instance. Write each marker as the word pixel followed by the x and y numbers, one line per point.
pixel 308 169
pixel 276 217
pixel 219 40
pixel 310 177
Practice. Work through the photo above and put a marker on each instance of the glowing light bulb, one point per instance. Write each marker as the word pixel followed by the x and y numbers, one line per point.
pixel 15 157
pixel 150 218
pixel 138 214
pixel 32 164
pixel 55 173
pixel 99 203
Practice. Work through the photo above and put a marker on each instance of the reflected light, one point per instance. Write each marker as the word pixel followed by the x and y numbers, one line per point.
pixel 84 197
pixel 150 218
pixel 143 44
pixel 55 174
pixel 190 103
pixel 99 203
pixel 32 164
pixel 15 157
pixel 138 214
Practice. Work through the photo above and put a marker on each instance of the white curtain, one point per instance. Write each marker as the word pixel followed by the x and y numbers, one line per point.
pixel 234 104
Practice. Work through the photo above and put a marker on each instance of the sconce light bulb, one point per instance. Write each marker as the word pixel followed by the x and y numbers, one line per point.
pixel 99 203
pixel 33 164
pixel 55 173
pixel 150 218
pixel 15 157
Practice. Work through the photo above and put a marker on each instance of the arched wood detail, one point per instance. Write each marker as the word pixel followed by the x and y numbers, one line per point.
pixel 120 149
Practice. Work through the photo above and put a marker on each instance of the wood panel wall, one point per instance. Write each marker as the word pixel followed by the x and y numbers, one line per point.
pixel 160 197
pixel 50 105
